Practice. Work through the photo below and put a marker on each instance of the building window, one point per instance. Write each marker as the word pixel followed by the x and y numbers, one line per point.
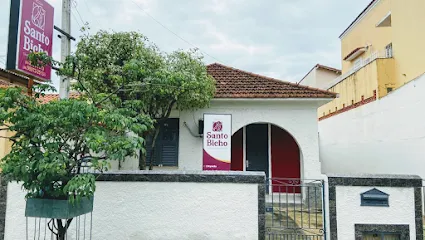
pixel 389 51
pixel 381 236
pixel 166 145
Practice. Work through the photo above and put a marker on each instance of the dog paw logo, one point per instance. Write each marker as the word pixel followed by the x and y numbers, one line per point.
pixel 217 126
pixel 38 16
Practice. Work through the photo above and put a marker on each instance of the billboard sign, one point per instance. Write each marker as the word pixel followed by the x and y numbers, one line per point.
pixel 30 29
pixel 217 142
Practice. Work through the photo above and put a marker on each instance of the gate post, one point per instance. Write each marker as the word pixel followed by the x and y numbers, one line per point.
pixel 393 203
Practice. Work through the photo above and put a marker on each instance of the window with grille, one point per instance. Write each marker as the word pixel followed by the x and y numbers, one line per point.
pixel 166 145
pixel 389 51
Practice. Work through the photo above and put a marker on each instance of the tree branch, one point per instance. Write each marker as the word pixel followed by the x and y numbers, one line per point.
pixel 110 95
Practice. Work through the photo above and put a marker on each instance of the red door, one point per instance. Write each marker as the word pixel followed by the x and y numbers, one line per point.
pixel 237 151
pixel 286 168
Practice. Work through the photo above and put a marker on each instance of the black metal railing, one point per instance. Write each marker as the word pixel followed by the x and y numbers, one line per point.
pixel 295 209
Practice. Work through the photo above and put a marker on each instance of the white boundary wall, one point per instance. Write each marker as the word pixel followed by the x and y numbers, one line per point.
pixel 349 211
pixel 158 210
pixel 383 137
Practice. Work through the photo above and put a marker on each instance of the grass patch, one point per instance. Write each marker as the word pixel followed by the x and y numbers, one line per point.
pixel 300 221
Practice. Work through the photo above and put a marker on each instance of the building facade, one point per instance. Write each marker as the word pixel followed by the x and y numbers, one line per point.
pixel 376 123
pixel 320 76
pixel 274 127
pixel 380 52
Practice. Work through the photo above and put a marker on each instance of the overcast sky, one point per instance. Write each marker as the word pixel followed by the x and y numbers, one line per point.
pixel 277 38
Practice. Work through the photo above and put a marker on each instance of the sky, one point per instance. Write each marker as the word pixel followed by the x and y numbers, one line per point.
pixel 283 39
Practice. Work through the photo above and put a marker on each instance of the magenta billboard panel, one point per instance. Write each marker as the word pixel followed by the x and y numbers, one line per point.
pixel 30 30
pixel 217 142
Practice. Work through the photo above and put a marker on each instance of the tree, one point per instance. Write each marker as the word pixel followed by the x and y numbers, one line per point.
pixel 57 143
pixel 133 73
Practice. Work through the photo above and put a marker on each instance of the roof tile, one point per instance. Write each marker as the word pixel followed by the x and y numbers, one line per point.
pixel 235 83
pixel 54 96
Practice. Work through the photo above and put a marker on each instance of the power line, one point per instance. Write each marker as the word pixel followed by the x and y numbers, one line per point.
pixel 76 20
pixel 76 9
pixel 175 34
pixel 88 8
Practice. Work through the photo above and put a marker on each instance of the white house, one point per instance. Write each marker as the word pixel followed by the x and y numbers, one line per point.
pixel 274 126
pixel 320 76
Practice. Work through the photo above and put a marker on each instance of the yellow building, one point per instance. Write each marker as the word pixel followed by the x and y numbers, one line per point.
pixel 10 79
pixel 381 50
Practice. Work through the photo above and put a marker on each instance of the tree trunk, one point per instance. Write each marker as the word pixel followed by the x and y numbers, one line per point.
pixel 142 156
pixel 61 235
pixel 155 136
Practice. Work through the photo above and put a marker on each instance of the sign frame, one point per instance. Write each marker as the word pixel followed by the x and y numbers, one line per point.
pixel 16 54
pixel 209 163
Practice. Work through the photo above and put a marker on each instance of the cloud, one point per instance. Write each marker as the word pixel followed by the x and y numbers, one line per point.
pixel 281 39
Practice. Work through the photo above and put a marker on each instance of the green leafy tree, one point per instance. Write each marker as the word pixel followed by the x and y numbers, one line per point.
pixel 57 145
pixel 133 73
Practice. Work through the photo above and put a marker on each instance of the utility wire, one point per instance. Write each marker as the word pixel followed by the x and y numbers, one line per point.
pixel 76 9
pixel 87 5
pixel 175 34
pixel 76 20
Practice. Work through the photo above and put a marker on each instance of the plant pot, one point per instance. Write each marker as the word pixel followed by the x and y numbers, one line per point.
pixel 59 209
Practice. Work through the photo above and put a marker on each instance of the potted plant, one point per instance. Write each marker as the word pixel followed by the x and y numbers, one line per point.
pixel 56 148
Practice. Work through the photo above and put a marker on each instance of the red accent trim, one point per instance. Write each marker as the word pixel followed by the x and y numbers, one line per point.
pixel 352 52
pixel 237 151
pixel 352 106
pixel 285 159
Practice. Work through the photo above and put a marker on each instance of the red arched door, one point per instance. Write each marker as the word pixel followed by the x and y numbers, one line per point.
pixel 237 151
pixel 285 158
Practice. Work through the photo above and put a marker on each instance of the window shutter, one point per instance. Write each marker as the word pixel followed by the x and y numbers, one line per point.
pixel 166 152
pixel 169 142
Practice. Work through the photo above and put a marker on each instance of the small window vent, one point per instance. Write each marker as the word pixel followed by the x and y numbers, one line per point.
pixel 375 198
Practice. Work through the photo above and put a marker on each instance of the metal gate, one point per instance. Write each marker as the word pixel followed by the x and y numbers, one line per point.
pixel 295 209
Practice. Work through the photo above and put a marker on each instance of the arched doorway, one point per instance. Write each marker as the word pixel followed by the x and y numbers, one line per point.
pixel 269 148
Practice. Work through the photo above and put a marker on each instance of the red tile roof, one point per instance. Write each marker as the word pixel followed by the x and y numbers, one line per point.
pixel 235 83
pixel 337 71
pixel 54 96
pixel 5 84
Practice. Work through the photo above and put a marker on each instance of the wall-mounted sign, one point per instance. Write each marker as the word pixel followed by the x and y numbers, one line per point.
pixel 30 29
pixel 217 142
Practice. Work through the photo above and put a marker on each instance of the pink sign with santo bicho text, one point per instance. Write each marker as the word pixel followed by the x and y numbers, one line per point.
pixel 35 34
pixel 217 142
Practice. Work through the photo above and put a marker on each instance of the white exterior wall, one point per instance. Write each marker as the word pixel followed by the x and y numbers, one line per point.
pixel 298 117
pixel 310 78
pixel 383 137
pixel 324 78
pixel 154 210
pixel 319 78
pixel 349 211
